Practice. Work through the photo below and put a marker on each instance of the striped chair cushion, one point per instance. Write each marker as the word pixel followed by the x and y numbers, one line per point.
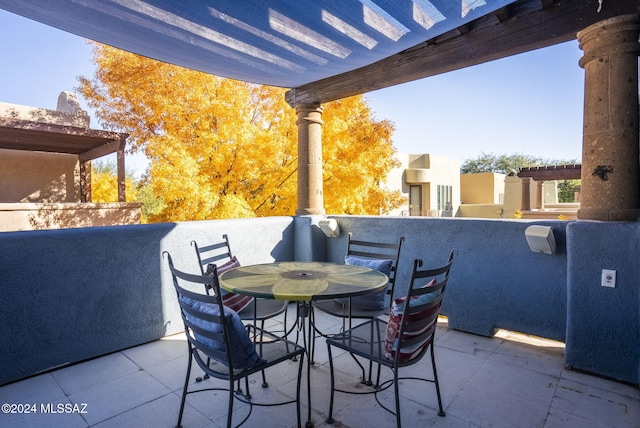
pixel 234 301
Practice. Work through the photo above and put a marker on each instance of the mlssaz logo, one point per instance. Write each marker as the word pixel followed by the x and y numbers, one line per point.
pixel 63 408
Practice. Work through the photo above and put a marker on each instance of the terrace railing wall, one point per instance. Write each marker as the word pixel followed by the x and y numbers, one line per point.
pixel 73 294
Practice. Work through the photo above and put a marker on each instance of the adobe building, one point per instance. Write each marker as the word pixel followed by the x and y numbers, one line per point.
pixel 431 184
pixel 434 187
pixel 45 169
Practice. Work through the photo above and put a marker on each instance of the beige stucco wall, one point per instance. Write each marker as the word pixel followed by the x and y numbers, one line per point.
pixel 550 189
pixel 567 213
pixel 429 171
pixel 513 195
pixel 481 211
pixel 28 176
pixel 38 177
pixel 40 190
pixel 78 117
pixel 482 188
pixel 395 181
pixel 28 216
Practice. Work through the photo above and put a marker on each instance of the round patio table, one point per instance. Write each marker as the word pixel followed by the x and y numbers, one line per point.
pixel 303 282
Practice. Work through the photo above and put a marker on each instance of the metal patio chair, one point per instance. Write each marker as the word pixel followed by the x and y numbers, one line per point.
pixel 248 308
pixel 400 342
pixel 259 310
pixel 382 256
pixel 221 344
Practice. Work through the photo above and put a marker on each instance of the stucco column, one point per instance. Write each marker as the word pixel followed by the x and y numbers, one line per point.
pixel 610 152
pixel 525 201
pixel 310 199
pixel 540 195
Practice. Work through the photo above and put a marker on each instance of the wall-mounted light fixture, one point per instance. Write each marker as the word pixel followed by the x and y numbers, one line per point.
pixel 541 239
pixel 330 227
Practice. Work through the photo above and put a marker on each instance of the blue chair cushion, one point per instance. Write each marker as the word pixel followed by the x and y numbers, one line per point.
pixel 374 301
pixel 243 351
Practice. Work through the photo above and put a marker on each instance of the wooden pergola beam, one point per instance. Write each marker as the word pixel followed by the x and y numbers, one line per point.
pixel 548 173
pixel 87 144
pixel 531 24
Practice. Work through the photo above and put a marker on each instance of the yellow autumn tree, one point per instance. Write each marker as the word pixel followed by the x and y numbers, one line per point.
pixel 220 148
pixel 357 156
pixel 104 183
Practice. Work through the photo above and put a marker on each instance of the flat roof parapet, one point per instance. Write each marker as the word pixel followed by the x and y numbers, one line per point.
pixel 68 113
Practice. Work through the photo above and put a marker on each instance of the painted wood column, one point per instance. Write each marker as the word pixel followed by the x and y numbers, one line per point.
pixel 122 192
pixel 310 198
pixel 85 181
pixel 610 188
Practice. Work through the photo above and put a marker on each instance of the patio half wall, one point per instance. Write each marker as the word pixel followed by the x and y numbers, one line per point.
pixel 73 294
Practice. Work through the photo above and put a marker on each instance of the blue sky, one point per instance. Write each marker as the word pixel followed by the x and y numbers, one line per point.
pixel 528 104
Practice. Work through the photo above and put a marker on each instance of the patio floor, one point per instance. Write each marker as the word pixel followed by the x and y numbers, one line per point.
pixel 510 380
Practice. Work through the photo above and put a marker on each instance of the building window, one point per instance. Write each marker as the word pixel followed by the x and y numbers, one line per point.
pixel 444 198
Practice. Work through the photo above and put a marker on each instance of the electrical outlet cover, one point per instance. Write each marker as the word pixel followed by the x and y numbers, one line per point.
pixel 608 278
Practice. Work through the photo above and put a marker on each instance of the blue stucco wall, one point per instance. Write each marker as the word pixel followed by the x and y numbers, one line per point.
pixel 496 281
pixel 69 295
pixel 603 324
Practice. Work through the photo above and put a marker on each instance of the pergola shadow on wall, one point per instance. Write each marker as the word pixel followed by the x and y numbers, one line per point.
pixel 86 144
pixel 45 166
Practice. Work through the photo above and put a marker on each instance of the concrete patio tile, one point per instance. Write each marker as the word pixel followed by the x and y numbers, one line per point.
pixel 266 417
pixel 425 392
pixel 450 387
pixel 543 358
pixel 360 411
pixel 344 379
pixel 43 394
pixel 159 413
pixel 45 414
pixel 344 364
pixel 485 382
pixel 458 363
pixel 509 380
pixel 560 419
pixel 479 346
pixel 488 407
pixel 418 395
pixel 158 352
pixel 118 396
pixel 165 360
pixel 213 404
pixel 81 377
pixel 451 421
pixel 171 373
pixel 327 323
pixel 593 403
pixel 39 389
pixel 364 411
pixel 320 390
pixel 601 383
